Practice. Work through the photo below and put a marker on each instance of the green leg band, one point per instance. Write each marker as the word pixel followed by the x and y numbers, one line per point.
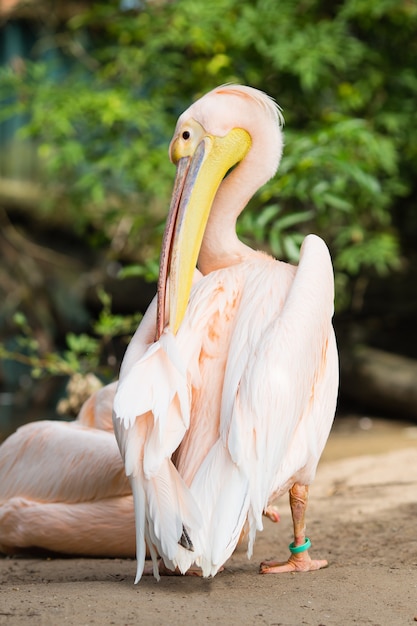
pixel 297 549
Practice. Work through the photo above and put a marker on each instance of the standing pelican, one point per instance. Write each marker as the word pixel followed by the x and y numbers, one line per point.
pixel 230 404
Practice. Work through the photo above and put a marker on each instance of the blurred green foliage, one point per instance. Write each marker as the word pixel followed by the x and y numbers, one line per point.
pixel 343 72
pixel 83 352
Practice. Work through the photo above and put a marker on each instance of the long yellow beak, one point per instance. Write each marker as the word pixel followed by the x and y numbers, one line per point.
pixel 201 166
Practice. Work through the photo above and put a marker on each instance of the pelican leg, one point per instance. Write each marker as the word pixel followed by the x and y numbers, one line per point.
pixel 301 561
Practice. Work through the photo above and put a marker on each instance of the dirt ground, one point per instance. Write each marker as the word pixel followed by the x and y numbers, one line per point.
pixel 362 517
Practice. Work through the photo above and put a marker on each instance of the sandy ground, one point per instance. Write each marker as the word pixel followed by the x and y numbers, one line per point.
pixel 362 518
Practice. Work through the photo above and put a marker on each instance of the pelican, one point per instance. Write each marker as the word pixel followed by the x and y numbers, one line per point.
pixel 226 401
pixel 63 486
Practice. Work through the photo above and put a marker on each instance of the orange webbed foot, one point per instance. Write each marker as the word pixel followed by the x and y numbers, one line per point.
pixel 299 561
pixel 296 563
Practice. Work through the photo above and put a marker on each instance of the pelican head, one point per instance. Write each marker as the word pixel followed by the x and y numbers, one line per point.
pixel 227 127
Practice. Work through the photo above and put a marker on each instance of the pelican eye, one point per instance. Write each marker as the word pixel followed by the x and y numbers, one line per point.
pixel 186 134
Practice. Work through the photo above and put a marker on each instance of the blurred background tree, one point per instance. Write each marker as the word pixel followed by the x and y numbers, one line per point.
pixel 89 97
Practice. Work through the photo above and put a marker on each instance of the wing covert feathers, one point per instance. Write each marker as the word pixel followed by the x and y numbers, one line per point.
pixel 151 416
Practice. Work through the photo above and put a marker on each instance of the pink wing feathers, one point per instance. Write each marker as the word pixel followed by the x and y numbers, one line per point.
pixel 278 396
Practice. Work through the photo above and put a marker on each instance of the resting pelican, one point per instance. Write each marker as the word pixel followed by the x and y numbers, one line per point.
pixel 230 403
pixel 63 486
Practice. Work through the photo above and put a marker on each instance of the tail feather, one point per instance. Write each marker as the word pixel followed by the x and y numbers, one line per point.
pixel 150 421
pixel 254 524
pixel 222 491
pixel 163 513
pixel 139 500
pixel 154 557
pixel 171 511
